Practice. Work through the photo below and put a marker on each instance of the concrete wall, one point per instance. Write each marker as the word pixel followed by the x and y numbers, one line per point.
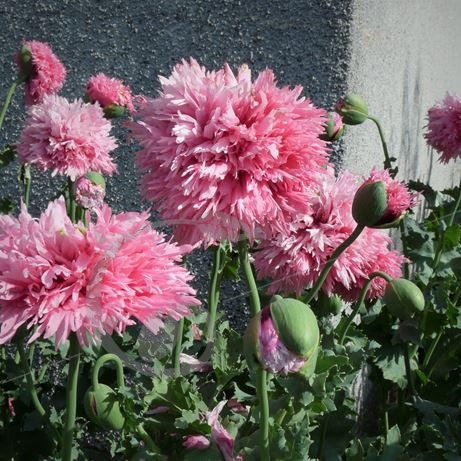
pixel 405 55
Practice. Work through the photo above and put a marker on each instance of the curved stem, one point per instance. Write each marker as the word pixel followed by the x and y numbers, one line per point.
pixel 101 361
pixel 431 350
pixel 213 293
pixel 177 348
pixel 335 255
pixel 7 102
pixel 150 444
pixel 387 159
pixel 32 390
pixel 363 293
pixel 71 398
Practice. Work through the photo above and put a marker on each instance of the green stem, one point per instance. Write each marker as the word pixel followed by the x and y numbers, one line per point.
pixel 387 159
pixel 177 348
pixel 323 436
pixel 342 334
pixel 71 398
pixel 213 293
pixel 261 391
pixel 32 389
pixel 101 361
pixel 150 444
pixel 261 375
pixel 255 304
pixel 431 350
pixel 72 205
pixel 27 180
pixel 406 356
pixel 453 348
pixel 335 255
pixel 7 102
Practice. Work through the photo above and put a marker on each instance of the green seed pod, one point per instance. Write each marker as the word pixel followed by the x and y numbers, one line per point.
pixel 102 407
pixel 403 298
pixel 25 63
pixel 370 203
pixel 334 128
pixel 353 109
pixel 296 325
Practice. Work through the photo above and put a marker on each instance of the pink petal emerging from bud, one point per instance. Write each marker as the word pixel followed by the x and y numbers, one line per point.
pixel 275 357
pixel 399 198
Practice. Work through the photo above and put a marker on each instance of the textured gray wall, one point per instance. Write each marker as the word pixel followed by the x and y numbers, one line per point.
pixel 304 41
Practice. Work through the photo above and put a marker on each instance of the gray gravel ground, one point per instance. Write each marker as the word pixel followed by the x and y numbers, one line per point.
pixel 305 42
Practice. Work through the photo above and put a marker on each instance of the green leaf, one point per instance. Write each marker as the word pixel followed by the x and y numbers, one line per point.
pixel 7 155
pixel 393 448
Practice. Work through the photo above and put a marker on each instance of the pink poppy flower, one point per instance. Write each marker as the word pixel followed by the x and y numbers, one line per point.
pixel 222 153
pixel 109 92
pixel 45 72
pixel 87 194
pixel 59 278
pixel 294 261
pixel 444 127
pixel 198 442
pixel 68 138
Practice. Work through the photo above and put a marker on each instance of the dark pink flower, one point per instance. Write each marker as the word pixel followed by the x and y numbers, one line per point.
pixel 67 138
pixel 58 277
pixel 444 127
pixel 109 92
pixel 221 153
pixel 294 261
pixel 46 74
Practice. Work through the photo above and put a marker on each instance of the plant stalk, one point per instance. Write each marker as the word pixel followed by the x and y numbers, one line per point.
pixel 213 293
pixel 71 398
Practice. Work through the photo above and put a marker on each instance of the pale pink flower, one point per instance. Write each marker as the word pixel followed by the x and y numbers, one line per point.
pixel 87 194
pixel 109 91
pixel 59 278
pixel 68 138
pixel 274 355
pixel 199 442
pixel 221 437
pixel 221 154
pixel 46 75
pixel 444 127
pixel 295 260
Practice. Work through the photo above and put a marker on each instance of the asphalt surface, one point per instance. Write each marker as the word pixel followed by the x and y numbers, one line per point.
pixel 305 41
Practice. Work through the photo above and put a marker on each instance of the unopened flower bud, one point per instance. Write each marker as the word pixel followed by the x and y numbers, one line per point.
pixel 328 304
pixel 353 109
pixel 102 407
pixel 381 201
pixel 403 298
pixel 334 127
pixel 283 337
